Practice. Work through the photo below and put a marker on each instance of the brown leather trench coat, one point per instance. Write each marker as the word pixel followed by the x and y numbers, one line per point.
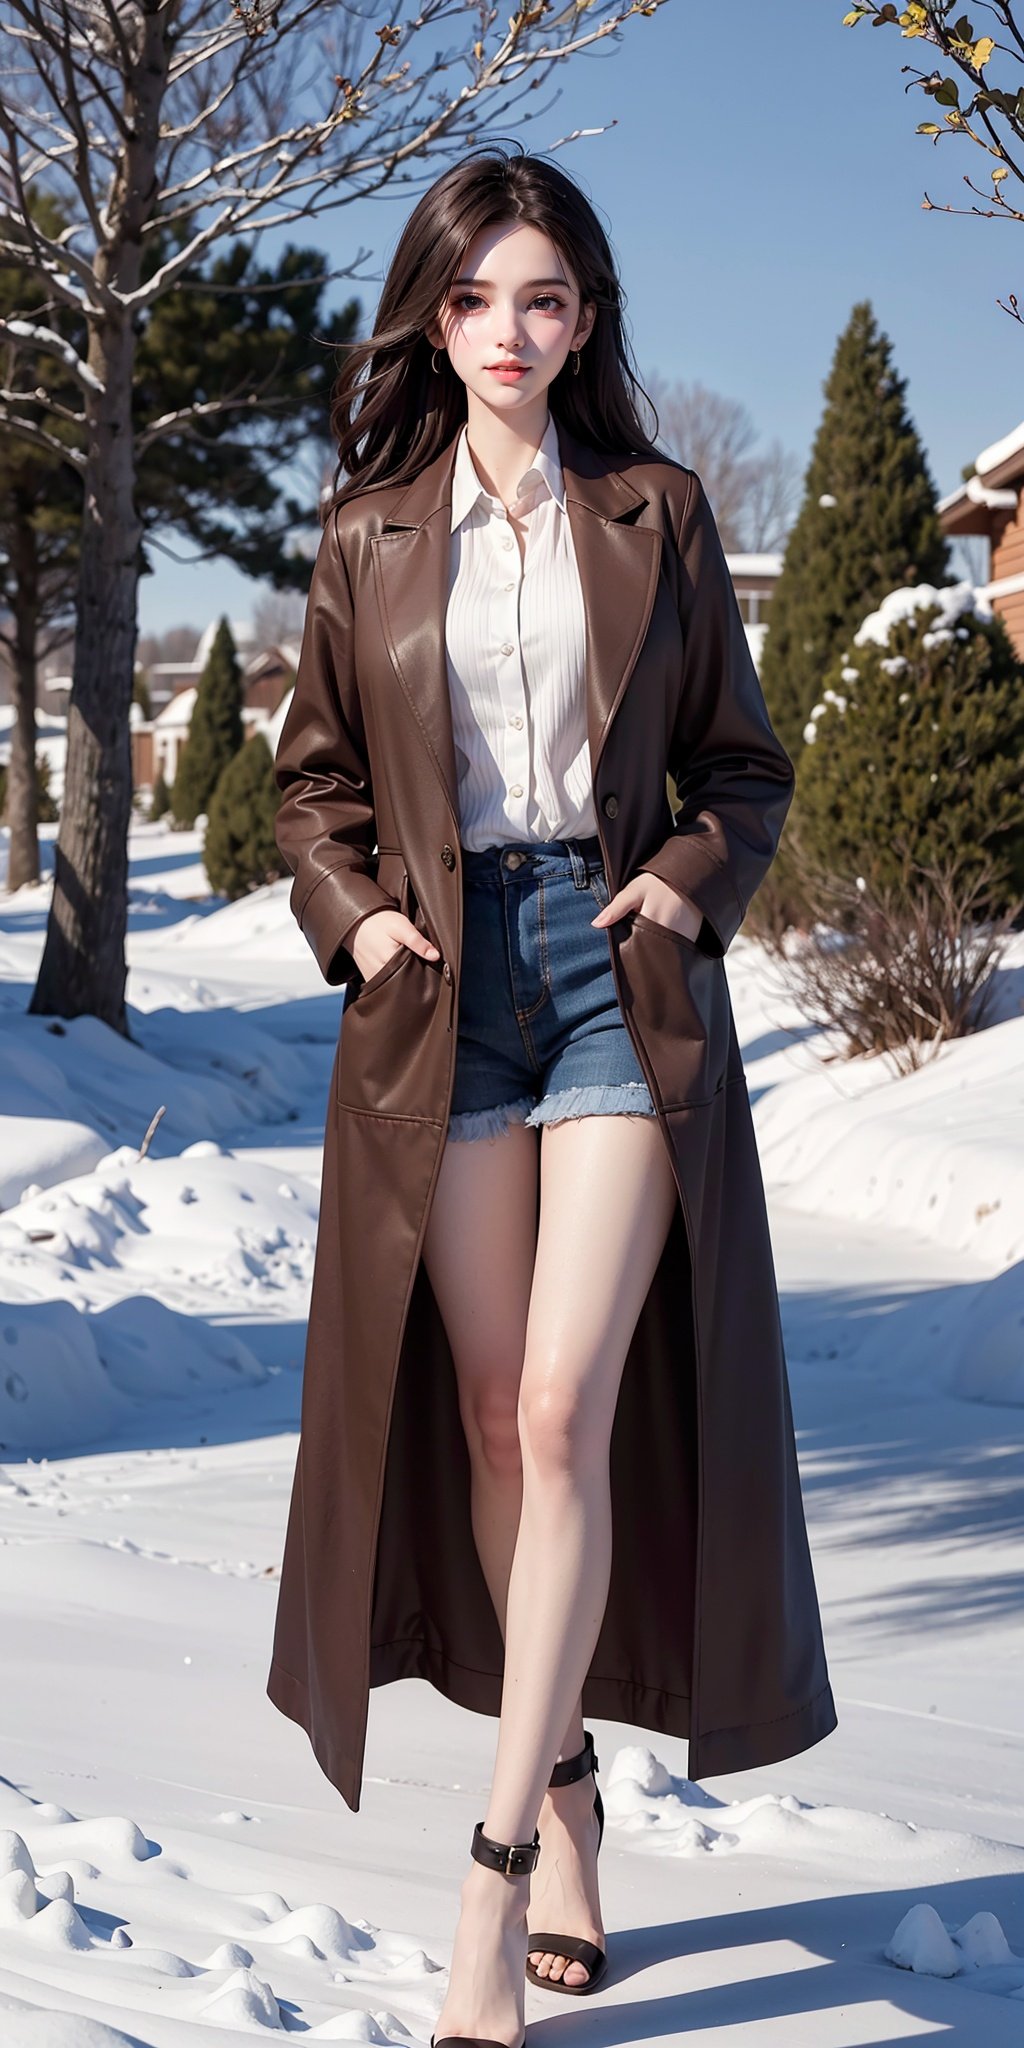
pixel 712 1627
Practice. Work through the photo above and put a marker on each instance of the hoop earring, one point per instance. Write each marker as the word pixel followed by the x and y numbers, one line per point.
pixel 433 365
pixel 576 365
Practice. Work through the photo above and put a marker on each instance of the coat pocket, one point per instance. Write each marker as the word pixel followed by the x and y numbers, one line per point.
pixel 653 924
pixel 383 974
pixel 394 1023
pixel 679 996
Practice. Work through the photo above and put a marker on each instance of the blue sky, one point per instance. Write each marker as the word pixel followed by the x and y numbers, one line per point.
pixel 763 175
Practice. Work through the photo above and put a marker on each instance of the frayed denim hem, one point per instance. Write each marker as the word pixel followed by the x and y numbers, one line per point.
pixel 627 1098
pixel 489 1123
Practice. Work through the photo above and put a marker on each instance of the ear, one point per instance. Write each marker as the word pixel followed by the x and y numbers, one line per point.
pixel 588 315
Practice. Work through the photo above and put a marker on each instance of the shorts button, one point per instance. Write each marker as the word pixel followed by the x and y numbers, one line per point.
pixel 514 860
pixel 448 855
pixel 611 807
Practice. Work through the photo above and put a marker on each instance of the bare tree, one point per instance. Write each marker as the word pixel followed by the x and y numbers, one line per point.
pixel 213 121
pixel 754 494
pixel 976 86
pixel 176 643
pixel 277 617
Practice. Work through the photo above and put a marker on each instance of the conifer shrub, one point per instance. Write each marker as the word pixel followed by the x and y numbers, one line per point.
pixel 215 731
pixel 868 522
pixel 906 834
pixel 240 851
pixel 914 754
pixel 47 812
pixel 160 799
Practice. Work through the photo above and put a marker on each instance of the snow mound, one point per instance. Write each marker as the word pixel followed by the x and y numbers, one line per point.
pixel 938 1948
pixel 272 1965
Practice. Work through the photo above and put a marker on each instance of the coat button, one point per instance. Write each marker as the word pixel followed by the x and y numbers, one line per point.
pixel 448 855
pixel 446 971
pixel 611 807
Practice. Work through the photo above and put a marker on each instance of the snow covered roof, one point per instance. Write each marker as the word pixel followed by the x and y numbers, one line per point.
pixel 178 709
pixel 241 633
pixel 998 452
pixel 995 487
pixel 754 565
pixel 272 729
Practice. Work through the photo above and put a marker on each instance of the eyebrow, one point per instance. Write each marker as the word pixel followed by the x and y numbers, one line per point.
pixel 529 286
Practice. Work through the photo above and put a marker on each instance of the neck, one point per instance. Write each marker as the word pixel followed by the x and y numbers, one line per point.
pixel 502 444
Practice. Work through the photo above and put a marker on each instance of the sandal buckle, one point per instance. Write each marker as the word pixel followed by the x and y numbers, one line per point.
pixel 514 1859
pixel 520 1857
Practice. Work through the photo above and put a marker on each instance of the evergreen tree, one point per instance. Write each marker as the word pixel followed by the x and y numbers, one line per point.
pixel 915 753
pixel 868 524
pixel 160 801
pixel 215 730
pixel 44 805
pixel 240 851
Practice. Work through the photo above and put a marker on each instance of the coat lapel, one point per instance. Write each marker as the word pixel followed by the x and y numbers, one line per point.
pixel 618 564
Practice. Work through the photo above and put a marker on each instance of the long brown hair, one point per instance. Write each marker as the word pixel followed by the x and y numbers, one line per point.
pixel 390 413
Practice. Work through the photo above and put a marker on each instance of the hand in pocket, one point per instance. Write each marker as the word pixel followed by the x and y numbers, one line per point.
pixel 379 938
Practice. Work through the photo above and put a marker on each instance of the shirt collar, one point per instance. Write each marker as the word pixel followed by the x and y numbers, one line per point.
pixel 546 467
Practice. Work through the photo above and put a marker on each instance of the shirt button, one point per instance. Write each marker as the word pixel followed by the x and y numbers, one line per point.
pixel 510 586
pixel 516 789
pixel 515 721
pixel 508 541
pixel 507 647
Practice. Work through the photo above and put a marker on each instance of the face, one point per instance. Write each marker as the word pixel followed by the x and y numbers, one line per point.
pixel 513 301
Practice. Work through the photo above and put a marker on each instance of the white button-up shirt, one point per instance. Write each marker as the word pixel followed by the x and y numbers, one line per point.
pixel 515 638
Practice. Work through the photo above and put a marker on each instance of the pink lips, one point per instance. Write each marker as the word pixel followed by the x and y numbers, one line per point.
pixel 508 369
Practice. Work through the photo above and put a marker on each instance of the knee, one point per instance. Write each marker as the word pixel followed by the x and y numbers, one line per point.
pixel 492 1430
pixel 559 1435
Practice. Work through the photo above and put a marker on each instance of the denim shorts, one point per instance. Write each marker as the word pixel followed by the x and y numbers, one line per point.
pixel 540 1032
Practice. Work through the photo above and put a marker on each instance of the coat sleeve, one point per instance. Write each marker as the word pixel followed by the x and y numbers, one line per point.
pixel 734 778
pixel 325 826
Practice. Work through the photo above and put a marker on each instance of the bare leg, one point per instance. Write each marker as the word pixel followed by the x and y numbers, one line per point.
pixel 479 1252
pixel 483 1222
pixel 607 1198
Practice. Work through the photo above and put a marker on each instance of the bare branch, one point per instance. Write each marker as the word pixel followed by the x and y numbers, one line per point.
pixel 54 345
pixel 30 430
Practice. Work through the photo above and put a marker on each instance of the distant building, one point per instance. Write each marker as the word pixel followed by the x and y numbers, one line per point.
pixel 166 678
pixel 267 676
pixel 754 578
pixel 991 502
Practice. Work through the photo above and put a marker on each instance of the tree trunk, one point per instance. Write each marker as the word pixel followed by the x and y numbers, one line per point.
pixel 22 807
pixel 82 972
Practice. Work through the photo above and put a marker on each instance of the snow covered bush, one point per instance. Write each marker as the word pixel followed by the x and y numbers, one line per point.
pixel 906 834
pixel 914 754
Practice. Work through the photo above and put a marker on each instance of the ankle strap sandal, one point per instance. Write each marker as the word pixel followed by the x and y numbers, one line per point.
pixel 574 1946
pixel 515 1859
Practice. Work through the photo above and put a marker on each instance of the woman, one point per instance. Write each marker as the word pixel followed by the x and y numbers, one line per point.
pixel 544 1312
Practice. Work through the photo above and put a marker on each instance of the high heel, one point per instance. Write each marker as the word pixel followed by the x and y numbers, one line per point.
pixel 573 1945
pixel 515 1859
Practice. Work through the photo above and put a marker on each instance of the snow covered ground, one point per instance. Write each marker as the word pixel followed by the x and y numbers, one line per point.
pixel 173 1865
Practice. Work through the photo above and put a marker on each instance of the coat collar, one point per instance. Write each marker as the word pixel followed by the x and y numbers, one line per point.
pixel 618 562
